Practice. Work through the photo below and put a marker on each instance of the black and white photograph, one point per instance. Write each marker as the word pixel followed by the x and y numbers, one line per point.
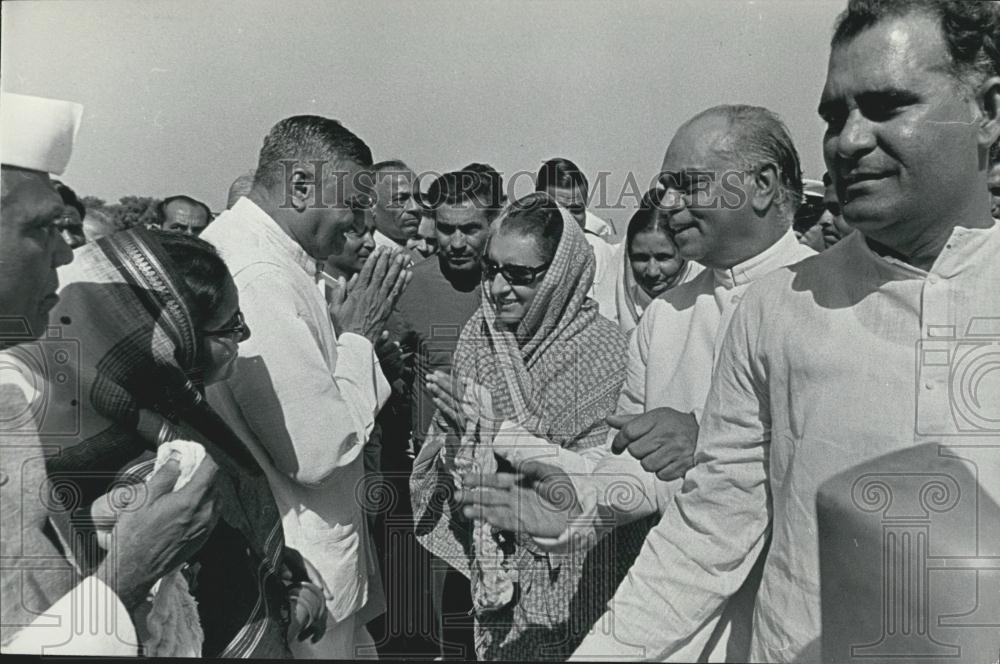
pixel 470 330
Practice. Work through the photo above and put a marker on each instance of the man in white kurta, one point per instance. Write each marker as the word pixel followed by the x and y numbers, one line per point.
pixel 303 397
pixel 48 609
pixel 823 365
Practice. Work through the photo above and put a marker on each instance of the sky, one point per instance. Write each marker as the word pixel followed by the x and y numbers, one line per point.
pixel 178 95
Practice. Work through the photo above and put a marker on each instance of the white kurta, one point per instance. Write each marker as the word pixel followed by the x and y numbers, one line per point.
pixel 603 291
pixel 303 399
pixel 821 369
pixel 597 226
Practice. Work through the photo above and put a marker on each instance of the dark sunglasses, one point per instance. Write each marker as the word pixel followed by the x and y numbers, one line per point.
pixel 236 327
pixel 515 275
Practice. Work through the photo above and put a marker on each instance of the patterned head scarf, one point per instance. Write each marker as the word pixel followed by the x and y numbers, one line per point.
pixel 135 357
pixel 558 376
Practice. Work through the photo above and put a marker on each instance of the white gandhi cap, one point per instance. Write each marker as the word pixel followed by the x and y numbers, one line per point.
pixel 37 133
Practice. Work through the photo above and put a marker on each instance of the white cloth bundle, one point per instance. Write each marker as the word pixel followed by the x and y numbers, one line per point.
pixel 172 623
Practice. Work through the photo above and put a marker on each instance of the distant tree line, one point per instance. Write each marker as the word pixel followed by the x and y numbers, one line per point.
pixel 128 212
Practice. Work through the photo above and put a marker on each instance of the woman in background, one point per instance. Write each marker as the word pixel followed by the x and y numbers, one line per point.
pixel 649 266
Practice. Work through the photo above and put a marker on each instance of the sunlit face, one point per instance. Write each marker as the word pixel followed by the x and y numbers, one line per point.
pixel 574 200
pixel 346 204
pixel 31 250
pixel 426 241
pixel 461 231
pixel 358 246
pixel 654 260
pixel 397 210
pixel 182 216
pixel 510 302
pixel 901 138
pixel 220 338
pixel 707 200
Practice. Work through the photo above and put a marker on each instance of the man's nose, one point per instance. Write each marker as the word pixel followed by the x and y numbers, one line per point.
pixel 855 136
pixel 62 253
pixel 458 240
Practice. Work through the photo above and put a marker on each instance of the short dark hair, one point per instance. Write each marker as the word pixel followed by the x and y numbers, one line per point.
pixel 161 207
pixel 69 198
pixel 476 182
pixel 306 138
pixel 201 267
pixel 758 136
pixel 389 165
pixel 563 174
pixel 971 30
pixel 536 215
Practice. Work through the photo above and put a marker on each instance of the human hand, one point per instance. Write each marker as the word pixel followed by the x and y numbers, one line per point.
pixel 464 404
pixel 371 294
pixel 390 357
pixel 165 530
pixel 662 439
pixel 540 500
pixel 308 595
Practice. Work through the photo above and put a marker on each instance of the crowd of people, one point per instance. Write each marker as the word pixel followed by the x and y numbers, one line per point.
pixel 353 417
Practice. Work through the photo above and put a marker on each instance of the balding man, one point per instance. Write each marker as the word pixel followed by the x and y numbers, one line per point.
pixel 240 187
pixel 44 590
pixel 822 366
pixel 183 214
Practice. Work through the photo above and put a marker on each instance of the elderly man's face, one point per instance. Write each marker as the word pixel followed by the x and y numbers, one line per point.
pixel 31 250
pixel 345 210
pixel 901 141
pixel 184 217
pixel 707 198
pixel 397 211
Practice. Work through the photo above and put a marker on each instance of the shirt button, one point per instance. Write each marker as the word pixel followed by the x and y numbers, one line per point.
pixel 933 279
pixel 929 385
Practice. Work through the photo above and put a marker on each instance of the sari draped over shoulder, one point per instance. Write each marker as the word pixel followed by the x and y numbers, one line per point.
pixel 558 376
pixel 130 353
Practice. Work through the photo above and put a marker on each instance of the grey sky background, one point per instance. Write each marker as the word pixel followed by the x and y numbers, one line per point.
pixel 178 94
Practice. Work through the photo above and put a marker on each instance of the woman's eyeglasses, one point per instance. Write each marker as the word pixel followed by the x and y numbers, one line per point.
pixel 236 327
pixel 515 275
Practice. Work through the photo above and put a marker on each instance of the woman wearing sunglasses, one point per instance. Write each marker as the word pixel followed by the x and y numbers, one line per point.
pixel 535 363
pixel 154 317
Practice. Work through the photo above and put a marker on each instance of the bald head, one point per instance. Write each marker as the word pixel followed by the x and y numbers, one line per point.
pixel 750 137
pixel 240 187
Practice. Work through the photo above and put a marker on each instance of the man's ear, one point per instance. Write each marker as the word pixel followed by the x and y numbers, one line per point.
pixel 766 181
pixel 301 188
pixel 988 102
